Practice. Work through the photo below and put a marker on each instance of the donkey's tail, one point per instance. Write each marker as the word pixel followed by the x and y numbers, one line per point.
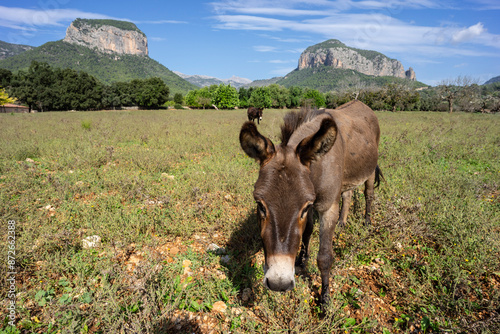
pixel 378 175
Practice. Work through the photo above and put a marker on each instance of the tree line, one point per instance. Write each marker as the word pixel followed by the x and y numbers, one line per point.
pixel 459 94
pixel 44 88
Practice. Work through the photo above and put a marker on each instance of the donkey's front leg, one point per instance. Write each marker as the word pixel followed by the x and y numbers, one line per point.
pixel 303 257
pixel 328 220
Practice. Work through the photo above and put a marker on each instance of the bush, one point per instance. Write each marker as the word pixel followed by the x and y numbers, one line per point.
pixel 86 125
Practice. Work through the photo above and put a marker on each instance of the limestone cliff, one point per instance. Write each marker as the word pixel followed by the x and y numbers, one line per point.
pixel 336 54
pixel 108 36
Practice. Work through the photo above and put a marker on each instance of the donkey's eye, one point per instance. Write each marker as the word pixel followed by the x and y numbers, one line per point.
pixel 305 210
pixel 261 208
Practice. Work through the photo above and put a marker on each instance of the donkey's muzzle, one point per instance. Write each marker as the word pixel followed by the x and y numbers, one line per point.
pixel 280 273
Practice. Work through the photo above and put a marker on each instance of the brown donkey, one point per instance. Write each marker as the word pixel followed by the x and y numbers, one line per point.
pixel 322 157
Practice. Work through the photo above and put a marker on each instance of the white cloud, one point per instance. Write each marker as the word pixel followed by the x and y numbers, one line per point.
pixel 22 18
pixel 157 39
pixel 264 48
pixel 279 61
pixel 468 34
pixel 377 29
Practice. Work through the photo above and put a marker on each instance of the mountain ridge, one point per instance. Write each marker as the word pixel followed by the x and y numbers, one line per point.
pixel 105 65
pixel 336 54
pixel 9 50
pixel 205 80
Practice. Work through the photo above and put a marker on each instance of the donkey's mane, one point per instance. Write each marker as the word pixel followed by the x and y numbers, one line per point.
pixel 294 119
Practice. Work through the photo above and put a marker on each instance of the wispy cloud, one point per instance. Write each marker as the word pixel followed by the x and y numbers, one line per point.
pixel 265 48
pixel 157 39
pixel 468 34
pixel 376 29
pixel 30 19
pixel 279 61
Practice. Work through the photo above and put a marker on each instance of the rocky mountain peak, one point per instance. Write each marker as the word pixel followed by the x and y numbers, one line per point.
pixel 336 54
pixel 108 36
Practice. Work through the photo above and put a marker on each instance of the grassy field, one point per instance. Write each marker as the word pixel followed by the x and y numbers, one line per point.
pixel 159 187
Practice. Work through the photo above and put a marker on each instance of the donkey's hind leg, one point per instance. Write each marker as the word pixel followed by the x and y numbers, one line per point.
pixel 369 196
pixel 344 211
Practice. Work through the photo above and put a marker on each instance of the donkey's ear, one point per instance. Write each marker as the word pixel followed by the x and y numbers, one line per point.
pixel 254 144
pixel 317 145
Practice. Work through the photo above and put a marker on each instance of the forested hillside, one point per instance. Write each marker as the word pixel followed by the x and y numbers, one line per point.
pixel 327 78
pixel 107 68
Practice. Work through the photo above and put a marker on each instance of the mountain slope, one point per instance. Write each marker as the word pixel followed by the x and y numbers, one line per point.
pixel 8 50
pixel 338 55
pixel 493 80
pixel 109 50
pixel 107 68
pixel 327 78
pixel 204 80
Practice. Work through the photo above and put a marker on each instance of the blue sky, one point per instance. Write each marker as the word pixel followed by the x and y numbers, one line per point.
pixel 259 39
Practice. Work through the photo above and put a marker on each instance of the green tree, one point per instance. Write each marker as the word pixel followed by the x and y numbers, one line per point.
pixel 226 97
pixel 5 77
pixel 280 96
pixel 178 98
pixel 295 94
pixel 190 98
pixel 400 96
pixel 260 98
pixel 244 95
pixel 312 97
pixel 150 93
pixel 34 87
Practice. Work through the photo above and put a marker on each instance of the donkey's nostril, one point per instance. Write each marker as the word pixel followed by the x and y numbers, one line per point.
pixel 280 285
pixel 266 283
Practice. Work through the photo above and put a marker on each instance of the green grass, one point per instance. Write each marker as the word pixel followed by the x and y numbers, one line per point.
pixel 159 186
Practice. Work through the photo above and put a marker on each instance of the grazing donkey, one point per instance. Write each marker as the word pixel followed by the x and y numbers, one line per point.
pixel 322 157
pixel 255 113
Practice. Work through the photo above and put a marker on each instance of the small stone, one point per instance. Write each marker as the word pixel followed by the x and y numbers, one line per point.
pixel 167 176
pixel 219 307
pixel 216 249
pixel 225 259
pixel 246 294
pixel 174 250
pixel 30 160
pixel 93 241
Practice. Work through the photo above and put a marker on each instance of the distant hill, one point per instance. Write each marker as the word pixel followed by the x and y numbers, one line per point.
pixel 327 78
pixel 204 80
pixel 493 80
pixel 263 82
pixel 8 50
pixel 109 50
pixel 331 65
pixel 336 54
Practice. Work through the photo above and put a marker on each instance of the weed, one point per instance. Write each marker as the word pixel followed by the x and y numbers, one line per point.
pixel 86 125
